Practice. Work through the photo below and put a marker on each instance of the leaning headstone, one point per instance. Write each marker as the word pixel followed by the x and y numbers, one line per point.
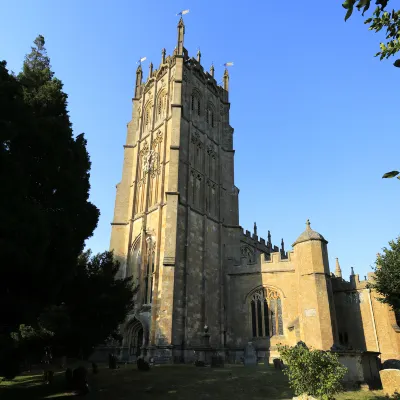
pixel 250 355
pixel 48 376
pixel 112 361
pixel 69 379
pixel 143 365
pixel 278 363
pixel 217 361
pixel 95 368
pixel 80 380
pixel 390 381
pixel 199 363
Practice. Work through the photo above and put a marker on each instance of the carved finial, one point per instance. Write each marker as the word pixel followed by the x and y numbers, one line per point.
pixel 163 53
pixel 226 79
pixel 212 70
pixel 308 224
pixel 352 271
pixel 378 256
pixel 365 278
pixel 255 228
pixel 198 55
pixel 181 34
pixel 269 239
pixel 338 271
pixel 139 77
pixel 282 246
pixel 150 70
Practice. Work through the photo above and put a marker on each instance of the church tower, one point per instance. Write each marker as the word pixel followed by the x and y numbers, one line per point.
pixel 175 205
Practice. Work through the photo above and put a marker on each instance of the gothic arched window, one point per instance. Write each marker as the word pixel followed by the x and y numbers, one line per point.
pixel 149 272
pixel 161 105
pixel 210 115
pixel 147 116
pixel 266 313
pixel 134 262
pixel 196 104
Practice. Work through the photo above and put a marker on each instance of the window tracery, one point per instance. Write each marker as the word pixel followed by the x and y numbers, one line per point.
pixel 248 253
pixel 266 313
pixel 147 116
pixel 196 103
pixel 149 271
pixel 210 113
pixel 161 105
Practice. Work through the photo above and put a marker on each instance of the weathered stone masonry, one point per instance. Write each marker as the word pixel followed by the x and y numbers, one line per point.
pixel 176 232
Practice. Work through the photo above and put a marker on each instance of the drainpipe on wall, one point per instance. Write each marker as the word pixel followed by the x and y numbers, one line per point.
pixel 373 319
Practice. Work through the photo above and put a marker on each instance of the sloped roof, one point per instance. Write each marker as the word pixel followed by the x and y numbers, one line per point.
pixel 309 234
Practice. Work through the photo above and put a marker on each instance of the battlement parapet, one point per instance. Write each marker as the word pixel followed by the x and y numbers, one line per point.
pixel 259 242
pixel 341 285
pixel 264 263
pixel 277 257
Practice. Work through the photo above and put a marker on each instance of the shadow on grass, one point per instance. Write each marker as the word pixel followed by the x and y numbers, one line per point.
pixel 179 382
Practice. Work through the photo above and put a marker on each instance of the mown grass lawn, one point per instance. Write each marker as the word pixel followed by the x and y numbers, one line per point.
pixel 169 382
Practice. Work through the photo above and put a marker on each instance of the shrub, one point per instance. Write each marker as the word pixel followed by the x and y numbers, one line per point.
pixel 313 372
pixel 9 358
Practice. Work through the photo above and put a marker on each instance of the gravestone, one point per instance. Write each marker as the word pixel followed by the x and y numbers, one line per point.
pixel 69 379
pixel 79 377
pixel 390 381
pixel 112 361
pixel 278 363
pixel 250 355
pixel 95 368
pixel 142 365
pixel 217 361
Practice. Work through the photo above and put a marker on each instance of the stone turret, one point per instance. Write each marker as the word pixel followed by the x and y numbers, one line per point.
pixel 226 80
pixel 315 300
pixel 181 34
pixel 338 271
pixel 139 77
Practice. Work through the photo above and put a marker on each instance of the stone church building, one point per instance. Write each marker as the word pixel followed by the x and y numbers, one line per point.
pixel 176 231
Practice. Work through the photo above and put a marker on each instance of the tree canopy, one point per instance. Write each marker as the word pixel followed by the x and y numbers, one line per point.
pixel 380 19
pixel 46 215
pixel 92 306
pixel 387 275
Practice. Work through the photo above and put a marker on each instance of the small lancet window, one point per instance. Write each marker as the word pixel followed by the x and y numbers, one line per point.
pixel 196 103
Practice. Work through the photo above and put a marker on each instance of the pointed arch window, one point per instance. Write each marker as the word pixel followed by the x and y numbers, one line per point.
pixel 196 103
pixel 161 105
pixel 266 313
pixel 210 115
pixel 149 272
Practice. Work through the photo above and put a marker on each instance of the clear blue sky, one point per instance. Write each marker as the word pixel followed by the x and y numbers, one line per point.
pixel 316 116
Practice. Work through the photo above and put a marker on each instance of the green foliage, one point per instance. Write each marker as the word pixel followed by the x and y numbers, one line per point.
pixel 391 174
pixel 45 212
pixel 9 357
pixel 381 19
pixel 313 372
pixel 387 275
pixel 96 303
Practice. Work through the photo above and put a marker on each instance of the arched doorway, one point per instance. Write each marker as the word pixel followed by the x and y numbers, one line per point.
pixel 136 344
pixel 135 340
